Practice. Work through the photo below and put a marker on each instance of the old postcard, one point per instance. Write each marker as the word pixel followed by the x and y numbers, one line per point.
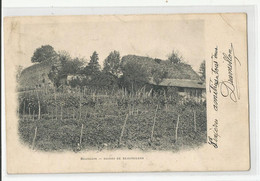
pixel 126 93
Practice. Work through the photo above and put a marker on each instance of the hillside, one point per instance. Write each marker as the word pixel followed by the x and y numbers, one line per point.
pixel 175 71
pixel 35 75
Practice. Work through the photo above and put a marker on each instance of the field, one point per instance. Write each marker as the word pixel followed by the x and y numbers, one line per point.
pixel 51 120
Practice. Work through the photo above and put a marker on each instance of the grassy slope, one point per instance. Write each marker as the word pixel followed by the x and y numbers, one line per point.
pixel 34 74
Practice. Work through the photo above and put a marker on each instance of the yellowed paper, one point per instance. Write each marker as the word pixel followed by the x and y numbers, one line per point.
pixel 129 135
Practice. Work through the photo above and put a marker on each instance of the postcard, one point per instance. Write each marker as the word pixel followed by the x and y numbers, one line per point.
pixel 126 93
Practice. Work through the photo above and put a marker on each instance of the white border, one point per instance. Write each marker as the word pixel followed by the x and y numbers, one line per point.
pixel 253 174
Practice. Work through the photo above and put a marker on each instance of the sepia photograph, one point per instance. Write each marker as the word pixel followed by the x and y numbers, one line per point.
pixel 127 101
pixel 125 88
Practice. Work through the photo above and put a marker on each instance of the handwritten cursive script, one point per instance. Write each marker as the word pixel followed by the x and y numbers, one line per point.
pixel 230 87
pixel 214 82
pixel 214 140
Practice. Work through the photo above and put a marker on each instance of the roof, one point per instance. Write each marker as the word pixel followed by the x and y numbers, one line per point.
pixel 174 71
pixel 181 83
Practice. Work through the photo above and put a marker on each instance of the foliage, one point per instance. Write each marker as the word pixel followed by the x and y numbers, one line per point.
pixel 134 76
pixel 44 53
pixel 158 75
pixel 93 65
pixel 77 82
pixel 175 57
pixel 112 63
pixel 202 70
pixel 157 60
pixel 63 67
pixel 71 67
pixel 104 80
pixel 28 103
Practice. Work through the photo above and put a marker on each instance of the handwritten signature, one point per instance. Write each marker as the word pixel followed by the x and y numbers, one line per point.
pixel 230 88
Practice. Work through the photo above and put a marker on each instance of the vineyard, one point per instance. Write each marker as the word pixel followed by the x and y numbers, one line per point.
pixel 82 119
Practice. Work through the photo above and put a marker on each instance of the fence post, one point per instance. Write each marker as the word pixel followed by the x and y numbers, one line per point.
pixel 61 112
pixel 122 132
pixel 39 105
pixel 194 119
pixel 73 112
pixel 56 109
pixel 154 122
pixel 79 106
pixel 81 133
pixel 23 109
pixel 52 115
pixel 176 130
pixel 34 138
pixel 29 112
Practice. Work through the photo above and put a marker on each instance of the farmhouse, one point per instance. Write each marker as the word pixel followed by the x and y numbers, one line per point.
pixel 180 77
pixel 190 89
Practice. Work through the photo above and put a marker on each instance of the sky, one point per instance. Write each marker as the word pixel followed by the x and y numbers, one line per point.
pixel 146 36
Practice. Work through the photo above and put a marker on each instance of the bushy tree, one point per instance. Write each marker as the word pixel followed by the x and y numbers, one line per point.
pixel 202 70
pixel 71 67
pixel 112 63
pixel 175 57
pixel 44 53
pixel 134 76
pixel 93 67
pixel 93 63
pixel 54 76
pixel 158 75
pixel 64 66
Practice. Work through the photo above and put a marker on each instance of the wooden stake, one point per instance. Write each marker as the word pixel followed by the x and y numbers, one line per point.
pixel 29 113
pixel 123 129
pixel 81 133
pixel 154 122
pixel 61 112
pixel 79 107
pixel 34 138
pixel 23 109
pixel 56 109
pixel 73 112
pixel 194 119
pixel 176 129
pixel 52 115
pixel 39 106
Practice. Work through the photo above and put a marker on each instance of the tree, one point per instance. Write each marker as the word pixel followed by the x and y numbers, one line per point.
pixel 44 53
pixel 134 76
pixel 93 67
pixel 175 57
pixel 72 66
pixel 202 70
pixel 112 63
pixel 93 63
pixel 64 56
pixel 54 76
pixel 64 66
pixel 158 75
